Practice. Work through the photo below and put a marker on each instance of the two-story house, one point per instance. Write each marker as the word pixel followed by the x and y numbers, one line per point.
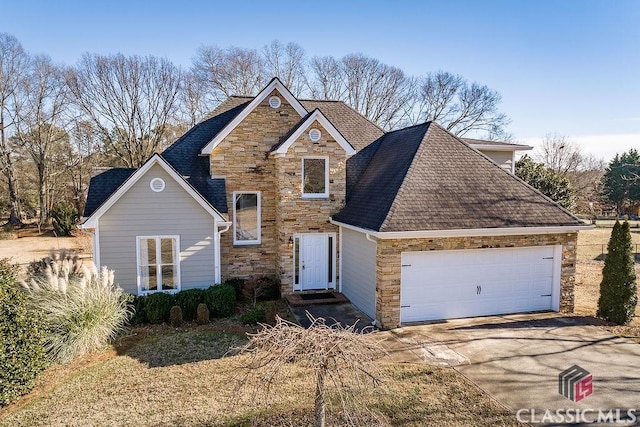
pixel 411 225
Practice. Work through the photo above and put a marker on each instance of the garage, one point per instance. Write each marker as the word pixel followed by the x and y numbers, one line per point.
pixel 446 284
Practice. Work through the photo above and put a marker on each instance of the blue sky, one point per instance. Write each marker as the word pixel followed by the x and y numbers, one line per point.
pixel 569 67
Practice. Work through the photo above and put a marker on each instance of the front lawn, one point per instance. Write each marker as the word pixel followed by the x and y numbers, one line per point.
pixel 163 376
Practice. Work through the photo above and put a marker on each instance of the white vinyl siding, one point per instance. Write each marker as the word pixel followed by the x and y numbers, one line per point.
pixel 358 280
pixel 504 159
pixel 172 212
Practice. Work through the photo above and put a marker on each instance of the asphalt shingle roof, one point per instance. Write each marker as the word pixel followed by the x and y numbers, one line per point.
pixel 184 154
pixel 356 129
pixel 103 185
pixel 424 178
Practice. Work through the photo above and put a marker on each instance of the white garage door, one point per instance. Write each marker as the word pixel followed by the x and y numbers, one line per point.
pixel 467 283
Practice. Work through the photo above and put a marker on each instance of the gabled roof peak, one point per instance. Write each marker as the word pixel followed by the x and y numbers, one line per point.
pixel 306 121
pixel 274 84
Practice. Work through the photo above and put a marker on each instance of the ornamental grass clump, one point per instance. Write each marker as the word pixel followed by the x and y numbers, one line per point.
pixel 82 308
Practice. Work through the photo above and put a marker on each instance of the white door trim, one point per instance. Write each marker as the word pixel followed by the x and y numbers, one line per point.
pixel 327 262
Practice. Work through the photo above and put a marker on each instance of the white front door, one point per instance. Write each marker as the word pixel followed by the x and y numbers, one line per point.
pixel 315 257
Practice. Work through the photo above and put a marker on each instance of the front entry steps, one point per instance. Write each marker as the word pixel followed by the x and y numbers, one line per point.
pixel 299 299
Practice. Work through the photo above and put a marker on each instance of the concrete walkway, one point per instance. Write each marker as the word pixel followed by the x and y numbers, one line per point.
pixel 517 359
pixel 345 314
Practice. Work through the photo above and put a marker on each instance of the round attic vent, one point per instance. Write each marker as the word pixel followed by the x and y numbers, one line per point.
pixel 157 184
pixel 314 135
pixel 274 102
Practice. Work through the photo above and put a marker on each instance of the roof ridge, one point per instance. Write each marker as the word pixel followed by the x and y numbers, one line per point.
pixel 511 175
pixel 416 156
pixel 338 101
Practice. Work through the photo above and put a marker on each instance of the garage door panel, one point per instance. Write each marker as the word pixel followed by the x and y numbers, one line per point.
pixel 465 283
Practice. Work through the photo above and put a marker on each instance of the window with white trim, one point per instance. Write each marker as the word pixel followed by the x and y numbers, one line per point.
pixel 158 263
pixel 315 177
pixel 246 218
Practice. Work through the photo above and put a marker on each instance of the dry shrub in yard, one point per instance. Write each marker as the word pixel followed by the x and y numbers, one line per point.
pixel 341 359
pixel 82 308
pixel 618 293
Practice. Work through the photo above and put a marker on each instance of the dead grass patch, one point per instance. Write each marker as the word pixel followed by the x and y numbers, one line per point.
pixel 182 377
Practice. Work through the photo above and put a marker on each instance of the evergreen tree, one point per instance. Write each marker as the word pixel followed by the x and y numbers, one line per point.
pixel 618 293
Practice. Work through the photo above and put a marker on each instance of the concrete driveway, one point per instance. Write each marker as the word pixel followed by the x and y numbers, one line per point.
pixel 518 358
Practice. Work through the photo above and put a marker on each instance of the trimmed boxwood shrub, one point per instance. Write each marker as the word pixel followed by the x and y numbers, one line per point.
pixel 220 299
pixel 188 301
pixel 22 338
pixel 140 310
pixel 237 284
pixel 157 307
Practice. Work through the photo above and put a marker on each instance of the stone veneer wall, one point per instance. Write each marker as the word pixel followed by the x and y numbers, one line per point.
pixel 388 265
pixel 297 215
pixel 242 158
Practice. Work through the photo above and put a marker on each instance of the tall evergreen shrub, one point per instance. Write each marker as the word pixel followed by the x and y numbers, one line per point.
pixel 22 338
pixel 618 291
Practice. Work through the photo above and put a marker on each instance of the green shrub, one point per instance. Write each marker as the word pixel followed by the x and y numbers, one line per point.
pixel 253 316
pixel 63 217
pixel 22 338
pixel 237 284
pixel 82 308
pixel 157 307
pixel 138 305
pixel 188 301
pixel 221 300
pixel 618 291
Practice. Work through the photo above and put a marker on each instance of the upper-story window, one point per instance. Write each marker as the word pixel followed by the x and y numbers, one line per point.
pixel 315 177
pixel 246 218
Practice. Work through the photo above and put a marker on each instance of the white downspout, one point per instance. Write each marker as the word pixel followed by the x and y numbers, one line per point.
pixel 216 246
pixel 95 240
pixel 339 287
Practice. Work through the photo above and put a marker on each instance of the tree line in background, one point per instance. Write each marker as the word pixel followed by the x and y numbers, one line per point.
pixel 59 122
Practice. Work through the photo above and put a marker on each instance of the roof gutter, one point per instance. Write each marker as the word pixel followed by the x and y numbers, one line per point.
pixel 469 232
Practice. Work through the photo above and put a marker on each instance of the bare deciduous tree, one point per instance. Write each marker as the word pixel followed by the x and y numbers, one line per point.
pixel 288 63
pixel 130 100
pixel 339 357
pixel 194 100
pixel 565 157
pixel 326 78
pixel 80 159
pixel 40 124
pixel 457 105
pixel 14 63
pixel 231 71
pixel 378 91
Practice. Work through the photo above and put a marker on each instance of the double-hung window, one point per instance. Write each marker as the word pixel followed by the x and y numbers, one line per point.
pixel 158 263
pixel 315 177
pixel 246 218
